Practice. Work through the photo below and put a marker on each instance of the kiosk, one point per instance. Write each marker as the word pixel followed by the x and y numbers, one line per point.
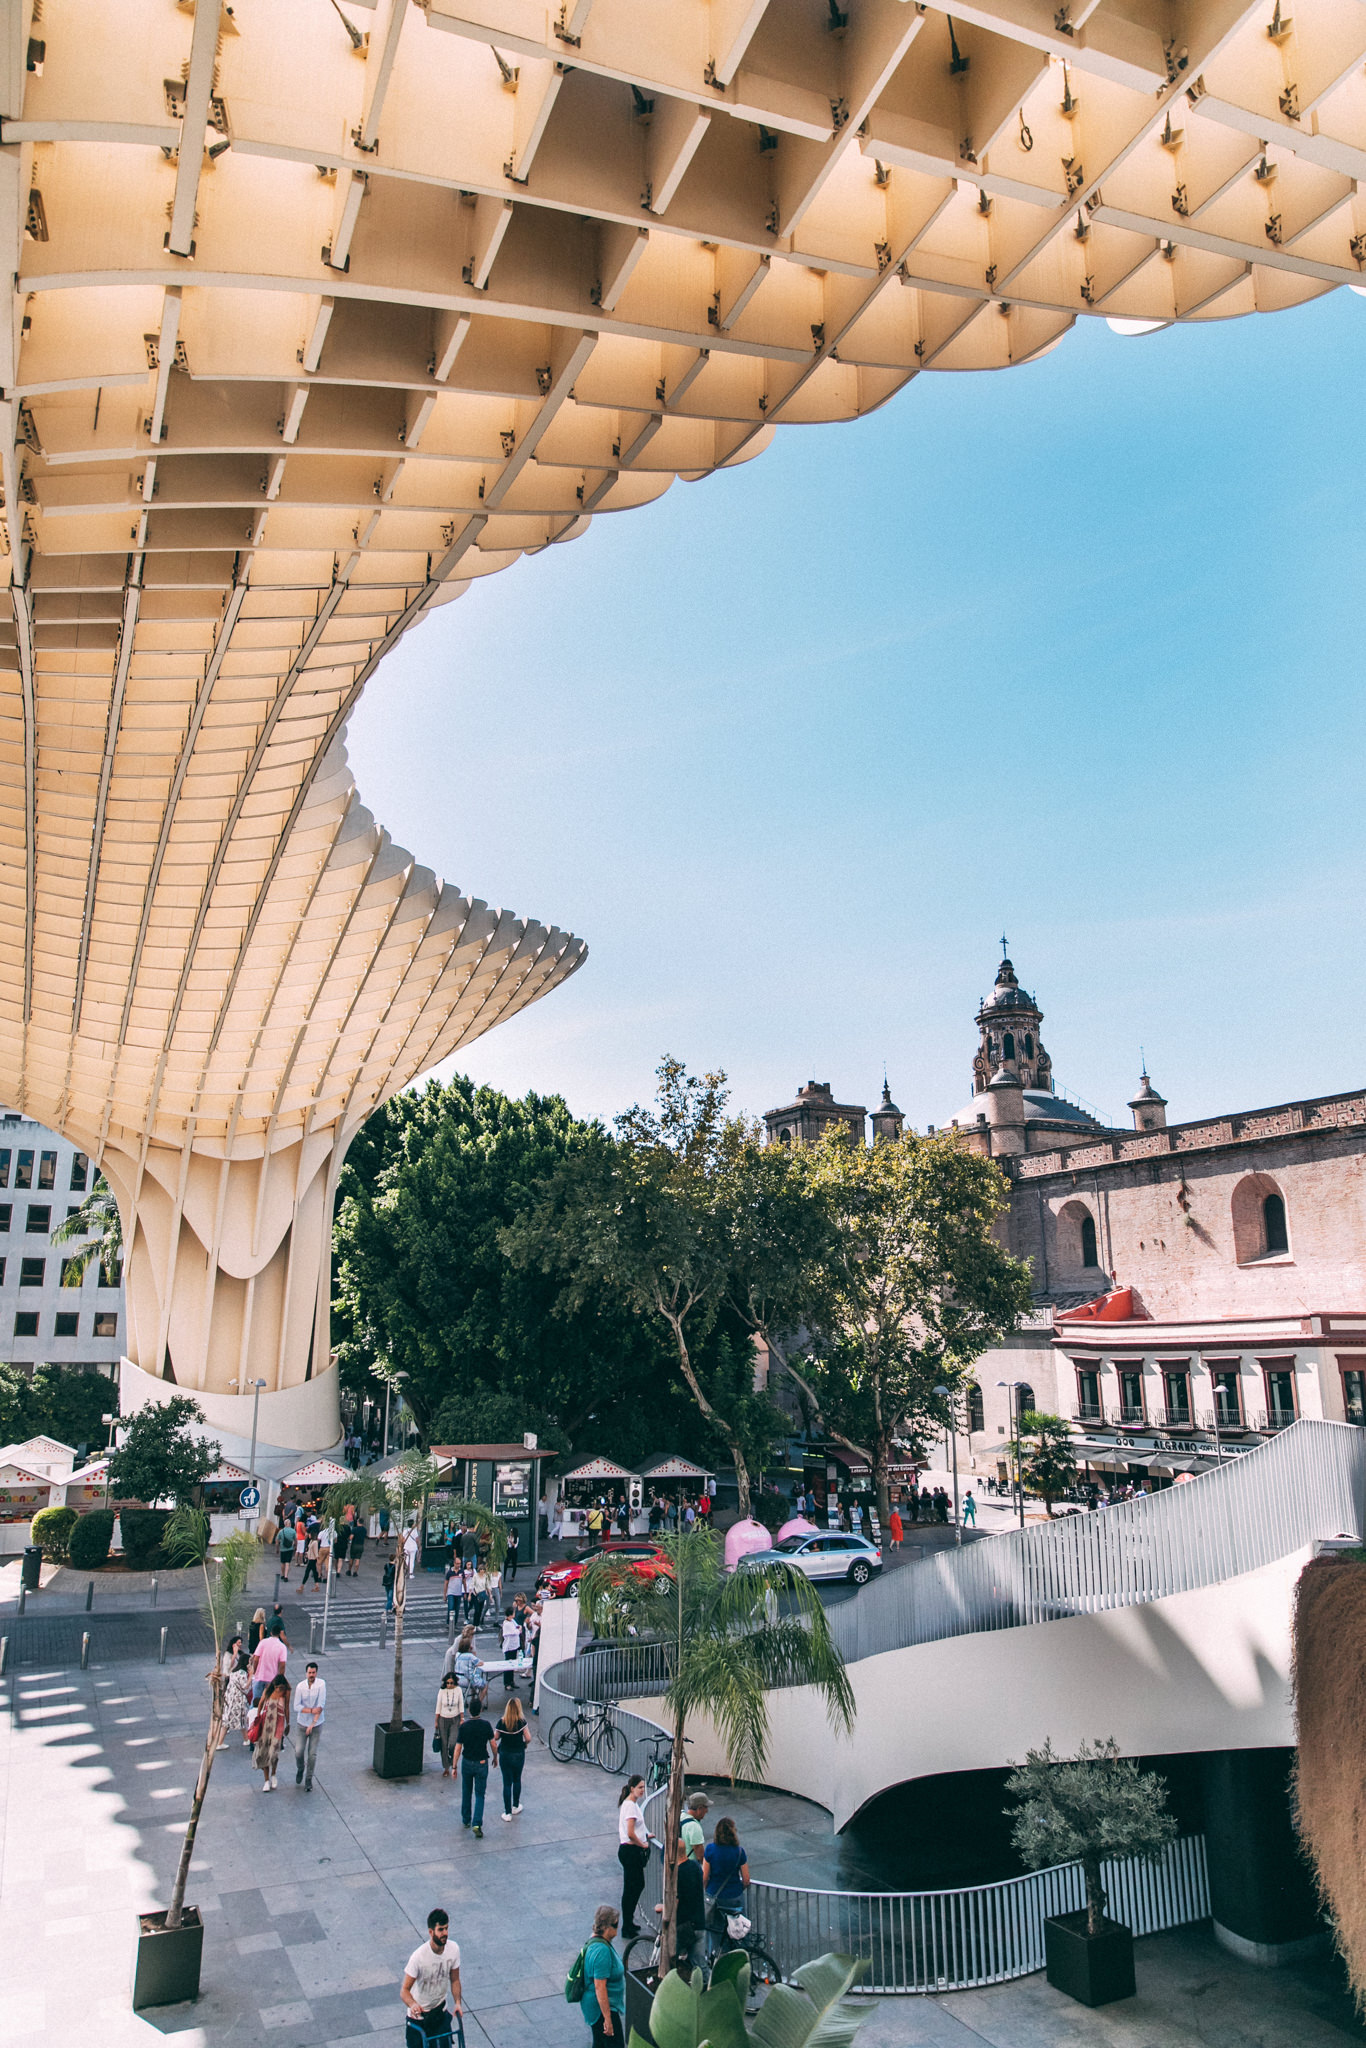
pixel 595 1479
pixel 501 1476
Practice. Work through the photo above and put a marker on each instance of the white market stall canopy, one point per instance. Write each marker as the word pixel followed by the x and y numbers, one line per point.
pixel 321 1472
pixel 669 1465
pixel 227 1471
pixel 599 1468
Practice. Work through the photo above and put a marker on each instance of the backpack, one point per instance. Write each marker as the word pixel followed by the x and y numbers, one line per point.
pixel 576 1983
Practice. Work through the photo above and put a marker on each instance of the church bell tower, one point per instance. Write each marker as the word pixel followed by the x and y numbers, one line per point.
pixel 1008 1035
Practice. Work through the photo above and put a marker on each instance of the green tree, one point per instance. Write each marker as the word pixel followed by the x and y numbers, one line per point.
pixel 642 1216
pixel 912 1288
pixel 1089 1809
pixel 159 1458
pixel 422 1284
pixel 65 1401
pixel 224 1586
pixel 730 1638
pixel 99 1224
pixel 1045 1455
pixel 404 1489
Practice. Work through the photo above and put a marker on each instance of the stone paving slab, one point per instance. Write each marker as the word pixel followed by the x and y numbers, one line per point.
pixel 312 1902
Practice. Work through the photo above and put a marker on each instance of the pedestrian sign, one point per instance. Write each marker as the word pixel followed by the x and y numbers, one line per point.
pixel 249 1499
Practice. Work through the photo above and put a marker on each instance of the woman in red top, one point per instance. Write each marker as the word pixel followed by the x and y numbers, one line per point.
pixel 894 1528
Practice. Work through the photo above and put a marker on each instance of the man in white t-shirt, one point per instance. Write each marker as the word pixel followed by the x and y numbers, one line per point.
pixel 426 1975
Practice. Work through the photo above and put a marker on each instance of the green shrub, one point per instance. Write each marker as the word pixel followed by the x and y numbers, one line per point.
pixel 142 1529
pixel 52 1529
pixel 89 1545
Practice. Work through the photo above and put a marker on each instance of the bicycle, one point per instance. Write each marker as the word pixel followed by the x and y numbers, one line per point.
pixel 661 1761
pixel 589 1734
pixel 643 1955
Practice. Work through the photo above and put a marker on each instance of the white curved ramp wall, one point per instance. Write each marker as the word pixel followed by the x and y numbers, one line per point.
pixel 1202 1670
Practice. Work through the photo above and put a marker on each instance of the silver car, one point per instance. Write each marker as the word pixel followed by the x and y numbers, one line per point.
pixel 821 1556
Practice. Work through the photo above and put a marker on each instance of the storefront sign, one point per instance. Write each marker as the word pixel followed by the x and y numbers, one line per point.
pixel 512 1490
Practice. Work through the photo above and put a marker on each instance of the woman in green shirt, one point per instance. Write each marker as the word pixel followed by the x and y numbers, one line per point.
pixel 604 1977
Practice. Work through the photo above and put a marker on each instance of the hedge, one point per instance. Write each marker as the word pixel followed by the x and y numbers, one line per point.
pixel 141 1528
pixel 89 1545
pixel 52 1529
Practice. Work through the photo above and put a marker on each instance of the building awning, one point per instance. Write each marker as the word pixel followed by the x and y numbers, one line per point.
pixel 499 1454
pixel 599 1468
pixel 671 1465
pixel 321 1472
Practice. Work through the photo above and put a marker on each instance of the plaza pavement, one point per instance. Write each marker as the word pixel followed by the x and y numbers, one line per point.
pixel 313 1902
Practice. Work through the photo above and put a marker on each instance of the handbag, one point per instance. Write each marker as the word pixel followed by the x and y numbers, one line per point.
pixel 436 1741
pixel 254 1730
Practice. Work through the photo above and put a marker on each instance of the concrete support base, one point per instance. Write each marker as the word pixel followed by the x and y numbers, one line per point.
pixel 1272 1955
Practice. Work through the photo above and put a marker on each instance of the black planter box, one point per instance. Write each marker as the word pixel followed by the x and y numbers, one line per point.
pixel 1095 1969
pixel 167 1970
pixel 399 1752
pixel 640 1996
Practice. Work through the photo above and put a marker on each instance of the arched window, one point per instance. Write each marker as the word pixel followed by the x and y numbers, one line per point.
pixel 976 1417
pixel 1261 1222
pixel 1010 1045
pixel 785 1136
pixel 1029 1045
pixel 1077 1243
pixel 1088 1241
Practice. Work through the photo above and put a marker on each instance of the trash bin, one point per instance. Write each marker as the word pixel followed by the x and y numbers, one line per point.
pixel 28 1571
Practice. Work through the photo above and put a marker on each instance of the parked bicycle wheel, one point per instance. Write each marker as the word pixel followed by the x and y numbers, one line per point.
pixel 565 1742
pixel 642 1954
pixel 612 1749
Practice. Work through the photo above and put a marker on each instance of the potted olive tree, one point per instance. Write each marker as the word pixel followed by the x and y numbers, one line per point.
pixel 400 1745
pixel 1088 1809
pixel 171 1944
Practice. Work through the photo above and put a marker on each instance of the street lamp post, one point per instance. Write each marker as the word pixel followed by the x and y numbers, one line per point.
pixel 391 1380
pixel 256 1386
pixel 1017 1410
pixel 112 1421
pixel 952 1434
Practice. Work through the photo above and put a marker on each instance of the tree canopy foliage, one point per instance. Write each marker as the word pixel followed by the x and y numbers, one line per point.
pixel 1045 1454
pixel 159 1459
pixel 490 1347
pixel 65 1401
pixel 1094 1807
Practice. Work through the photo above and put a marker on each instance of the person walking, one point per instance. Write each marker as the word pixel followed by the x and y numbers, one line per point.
pixel 288 1545
pixel 383 1523
pixel 633 1850
pixel 311 1550
pixel 390 1574
pixel 970 1509
pixel 327 1537
pixel 310 1711
pixel 450 1712
pixel 454 1589
pixel 428 1974
pixel 271 1726
pixel 256 1630
pixel 468 1667
pixel 512 1748
pixel 510 1561
pixel 237 1692
pixel 267 1663
pixel 479 1595
pixel 341 1541
pixel 476 1742
pixel 410 1551
pixel 355 1548
pixel 894 1529
pixel 603 2004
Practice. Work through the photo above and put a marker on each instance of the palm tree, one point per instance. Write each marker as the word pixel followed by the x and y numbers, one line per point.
pixel 727 1638
pixel 97 1219
pixel 226 1572
pixel 407 1485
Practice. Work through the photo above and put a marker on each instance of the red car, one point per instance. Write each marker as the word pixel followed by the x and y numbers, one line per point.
pixel 648 1559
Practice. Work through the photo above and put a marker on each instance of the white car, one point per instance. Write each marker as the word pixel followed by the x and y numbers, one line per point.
pixel 821 1556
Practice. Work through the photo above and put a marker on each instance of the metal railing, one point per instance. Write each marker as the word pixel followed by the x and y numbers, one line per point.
pixel 980 1934
pixel 1263 1505
pixel 566 1686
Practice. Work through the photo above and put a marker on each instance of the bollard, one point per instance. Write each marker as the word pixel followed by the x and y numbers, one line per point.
pixel 276 1594
pixel 312 1633
pixel 90 1596
pixel 85 1651
pixel 4 1654
pixel 450 1628
pixel 162 1657
pixel 383 1630
pixel 23 1597
pixel 154 1589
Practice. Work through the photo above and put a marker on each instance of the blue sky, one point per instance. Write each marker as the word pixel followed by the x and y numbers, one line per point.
pixel 1071 651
